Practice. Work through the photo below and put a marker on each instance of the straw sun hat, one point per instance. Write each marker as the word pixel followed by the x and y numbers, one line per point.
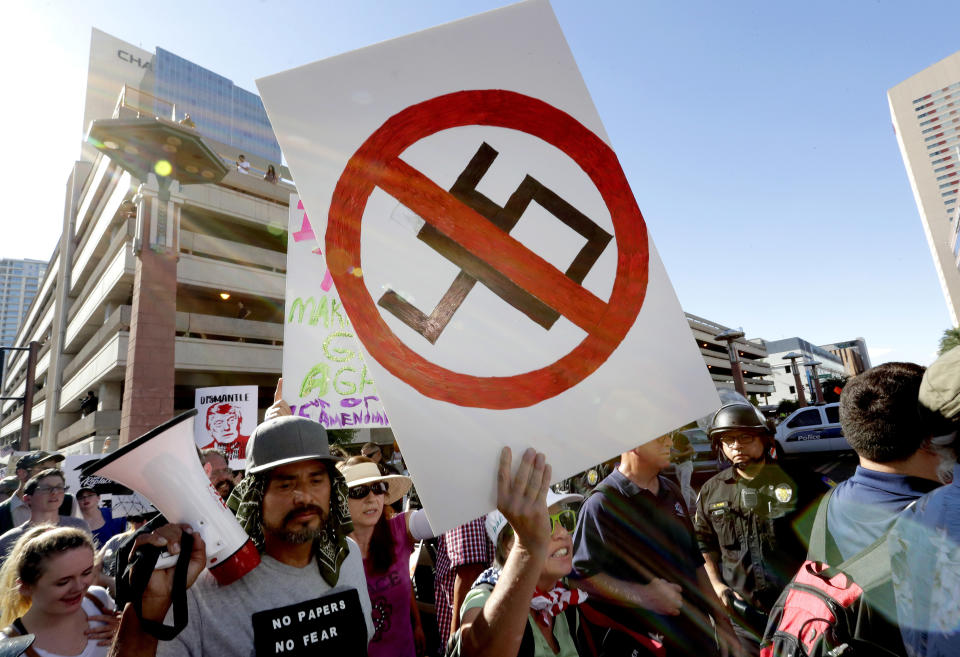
pixel 368 473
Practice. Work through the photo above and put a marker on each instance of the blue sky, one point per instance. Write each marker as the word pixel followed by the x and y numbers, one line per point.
pixel 756 135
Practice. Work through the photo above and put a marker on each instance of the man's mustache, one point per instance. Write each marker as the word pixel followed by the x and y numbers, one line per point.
pixel 304 509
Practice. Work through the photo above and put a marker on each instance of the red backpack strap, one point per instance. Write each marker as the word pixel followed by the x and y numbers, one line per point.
pixel 598 618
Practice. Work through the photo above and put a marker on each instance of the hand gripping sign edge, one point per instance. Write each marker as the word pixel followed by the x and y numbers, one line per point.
pixel 377 163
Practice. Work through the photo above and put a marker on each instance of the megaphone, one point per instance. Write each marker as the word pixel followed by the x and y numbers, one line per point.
pixel 162 465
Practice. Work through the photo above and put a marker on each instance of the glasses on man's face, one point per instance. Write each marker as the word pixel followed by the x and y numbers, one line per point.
pixel 743 439
pixel 361 491
pixel 567 518
pixel 52 489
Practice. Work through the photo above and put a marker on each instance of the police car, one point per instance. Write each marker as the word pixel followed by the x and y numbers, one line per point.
pixel 811 429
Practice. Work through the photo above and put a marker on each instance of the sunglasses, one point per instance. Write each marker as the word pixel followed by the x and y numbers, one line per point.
pixel 361 491
pixel 566 518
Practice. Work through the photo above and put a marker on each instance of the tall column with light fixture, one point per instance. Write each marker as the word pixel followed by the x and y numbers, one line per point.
pixel 150 371
pixel 730 336
pixel 817 388
pixel 163 155
pixel 792 357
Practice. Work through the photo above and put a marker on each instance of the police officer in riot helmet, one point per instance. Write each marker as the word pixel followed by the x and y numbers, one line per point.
pixel 750 520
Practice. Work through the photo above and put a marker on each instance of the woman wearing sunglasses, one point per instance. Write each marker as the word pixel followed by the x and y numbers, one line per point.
pixel 522 606
pixel 386 543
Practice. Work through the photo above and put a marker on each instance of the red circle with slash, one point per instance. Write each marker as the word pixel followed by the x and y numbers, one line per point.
pixel 377 163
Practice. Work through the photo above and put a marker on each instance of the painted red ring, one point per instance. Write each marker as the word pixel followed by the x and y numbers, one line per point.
pixel 502 109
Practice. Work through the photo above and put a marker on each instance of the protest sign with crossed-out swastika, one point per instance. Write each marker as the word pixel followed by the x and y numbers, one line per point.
pixel 489 252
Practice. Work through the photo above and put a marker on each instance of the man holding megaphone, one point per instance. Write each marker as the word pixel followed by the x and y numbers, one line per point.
pixel 309 592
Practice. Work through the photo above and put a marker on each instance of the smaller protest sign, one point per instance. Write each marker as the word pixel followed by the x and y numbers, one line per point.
pixel 325 374
pixel 226 416
pixel 333 624
pixel 75 480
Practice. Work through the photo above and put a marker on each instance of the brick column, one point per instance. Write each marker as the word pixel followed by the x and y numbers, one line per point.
pixel 150 372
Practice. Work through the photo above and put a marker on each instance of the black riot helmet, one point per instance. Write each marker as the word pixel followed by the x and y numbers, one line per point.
pixel 736 415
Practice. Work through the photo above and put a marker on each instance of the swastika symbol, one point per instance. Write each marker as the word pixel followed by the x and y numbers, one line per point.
pixel 474 269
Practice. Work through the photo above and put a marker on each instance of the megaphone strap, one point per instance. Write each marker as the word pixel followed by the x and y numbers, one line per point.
pixel 17 629
pixel 141 568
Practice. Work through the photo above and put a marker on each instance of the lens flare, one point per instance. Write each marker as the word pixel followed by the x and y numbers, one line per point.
pixel 163 168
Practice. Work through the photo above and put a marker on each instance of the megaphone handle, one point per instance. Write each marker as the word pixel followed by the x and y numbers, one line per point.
pixel 149 561
pixel 166 560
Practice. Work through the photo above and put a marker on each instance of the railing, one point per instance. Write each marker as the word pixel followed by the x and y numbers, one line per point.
pixel 143 103
pixel 131 99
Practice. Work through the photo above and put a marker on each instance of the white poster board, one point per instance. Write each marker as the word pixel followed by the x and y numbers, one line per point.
pixel 226 416
pixel 489 252
pixel 325 377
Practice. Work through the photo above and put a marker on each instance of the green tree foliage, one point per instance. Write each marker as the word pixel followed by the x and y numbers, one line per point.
pixel 949 340
pixel 786 407
pixel 832 387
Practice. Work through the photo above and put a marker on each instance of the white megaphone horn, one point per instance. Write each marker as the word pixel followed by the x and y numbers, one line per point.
pixel 162 465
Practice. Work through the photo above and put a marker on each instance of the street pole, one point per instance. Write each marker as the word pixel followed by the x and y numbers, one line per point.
pixel 816 380
pixel 729 336
pixel 28 385
pixel 792 357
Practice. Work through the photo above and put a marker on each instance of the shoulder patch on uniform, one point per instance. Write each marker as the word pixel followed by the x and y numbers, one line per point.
pixel 783 493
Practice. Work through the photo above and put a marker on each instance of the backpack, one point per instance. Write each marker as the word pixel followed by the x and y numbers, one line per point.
pixel 832 611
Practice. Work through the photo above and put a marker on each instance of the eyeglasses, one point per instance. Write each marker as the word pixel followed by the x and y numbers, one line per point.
pixel 361 491
pixel 567 518
pixel 52 489
pixel 743 439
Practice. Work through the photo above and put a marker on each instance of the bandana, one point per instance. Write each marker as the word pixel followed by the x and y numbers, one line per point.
pixel 330 548
pixel 554 601
pixel 547 604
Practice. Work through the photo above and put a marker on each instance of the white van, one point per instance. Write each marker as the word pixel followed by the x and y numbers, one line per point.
pixel 811 429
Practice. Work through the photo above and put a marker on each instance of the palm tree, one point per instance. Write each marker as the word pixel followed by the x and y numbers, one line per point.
pixel 950 339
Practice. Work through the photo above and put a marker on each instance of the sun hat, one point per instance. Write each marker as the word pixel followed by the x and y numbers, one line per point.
pixel 287 439
pixel 496 522
pixel 359 474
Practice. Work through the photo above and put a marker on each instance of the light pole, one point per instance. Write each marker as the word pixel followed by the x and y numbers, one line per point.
pixel 729 336
pixel 812 364
pixel 792 357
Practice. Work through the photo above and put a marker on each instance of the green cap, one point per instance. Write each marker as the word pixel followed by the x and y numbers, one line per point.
pixel 940 391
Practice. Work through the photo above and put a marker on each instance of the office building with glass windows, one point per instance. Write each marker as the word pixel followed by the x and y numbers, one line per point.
pixel 19 280
pixel 926 117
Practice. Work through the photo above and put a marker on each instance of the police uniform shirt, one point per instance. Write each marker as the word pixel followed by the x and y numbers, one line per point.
pixel 758 528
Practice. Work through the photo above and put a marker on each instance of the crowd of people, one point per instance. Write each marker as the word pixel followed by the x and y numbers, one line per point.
pixel 638 566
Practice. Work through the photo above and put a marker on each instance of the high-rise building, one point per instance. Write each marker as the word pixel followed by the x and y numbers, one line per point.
pixel 157 286
pixel 926 116
pixel 852 353
pixel 167 85
pixel 19 280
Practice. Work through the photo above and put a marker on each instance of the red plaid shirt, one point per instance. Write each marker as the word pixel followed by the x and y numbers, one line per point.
pixel 466 544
